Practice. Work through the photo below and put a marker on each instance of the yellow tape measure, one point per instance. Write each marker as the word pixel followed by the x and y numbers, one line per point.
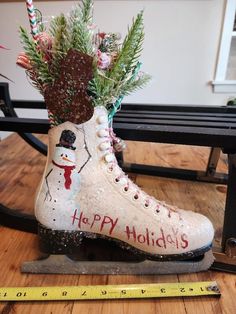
pixel 129 291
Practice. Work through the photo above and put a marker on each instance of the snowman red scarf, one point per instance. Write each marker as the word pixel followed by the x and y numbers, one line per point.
pixel 67 174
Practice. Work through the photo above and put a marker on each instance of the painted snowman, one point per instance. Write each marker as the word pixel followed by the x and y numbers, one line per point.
pixel 60 185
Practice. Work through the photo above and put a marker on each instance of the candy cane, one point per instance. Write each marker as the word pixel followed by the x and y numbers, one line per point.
pixel 32 19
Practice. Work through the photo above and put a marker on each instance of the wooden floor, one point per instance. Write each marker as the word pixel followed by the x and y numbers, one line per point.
pixel 20 170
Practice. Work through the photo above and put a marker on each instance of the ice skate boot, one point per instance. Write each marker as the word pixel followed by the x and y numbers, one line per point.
pixel 85 198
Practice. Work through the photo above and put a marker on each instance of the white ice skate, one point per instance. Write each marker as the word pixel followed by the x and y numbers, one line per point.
pixel 86 206
pixel 105 204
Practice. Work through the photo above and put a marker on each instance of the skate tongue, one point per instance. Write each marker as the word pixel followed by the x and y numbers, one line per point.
pixel 67 174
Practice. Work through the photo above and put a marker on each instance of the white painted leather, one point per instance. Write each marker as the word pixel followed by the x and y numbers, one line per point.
pixel 99 203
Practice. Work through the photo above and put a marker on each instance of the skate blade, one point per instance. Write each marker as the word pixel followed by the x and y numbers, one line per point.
pixel 61 264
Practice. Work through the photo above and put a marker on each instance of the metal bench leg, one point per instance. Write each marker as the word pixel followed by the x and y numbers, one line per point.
pixel 120 158
pixel 209 175
pixel 213 161
pixel 226 259
pixel 229 228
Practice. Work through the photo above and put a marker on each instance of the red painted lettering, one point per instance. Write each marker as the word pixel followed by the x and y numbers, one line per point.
pixel 147 236
pixel 161 242
pixel 74 217
pixel 169 239
pixel 184 244
pixel 85 221
pixel 153 240
pixel 176 238
pixel 108 220
pixel 141 238
pixel 96 217
pixel 130 233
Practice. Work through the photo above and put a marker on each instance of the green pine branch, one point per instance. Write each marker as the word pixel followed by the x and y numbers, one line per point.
pixel 130 50
pixel 101 98
pixel 134 85
pixel 36 58
pixel 109 86
pixel 59 32
pixel 80 36
pixel 86 7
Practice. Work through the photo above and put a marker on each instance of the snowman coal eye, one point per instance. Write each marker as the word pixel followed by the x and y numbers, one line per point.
pixel 66 156
pixel 61 155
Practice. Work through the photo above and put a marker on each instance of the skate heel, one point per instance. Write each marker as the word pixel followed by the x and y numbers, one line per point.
pixel 59 241
pixel 82 246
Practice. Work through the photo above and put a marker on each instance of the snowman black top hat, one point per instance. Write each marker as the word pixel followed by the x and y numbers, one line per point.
pixel 67 139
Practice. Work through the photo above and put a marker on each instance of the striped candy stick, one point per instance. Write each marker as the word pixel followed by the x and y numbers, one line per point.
pixel 32 19
pixel 35 34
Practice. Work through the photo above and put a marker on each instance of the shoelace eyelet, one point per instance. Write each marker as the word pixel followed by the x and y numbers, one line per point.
pixel 146 205
pixel 117 180
pixel 110 169
pixel 157 210
pixel 135 197
pixel 125 189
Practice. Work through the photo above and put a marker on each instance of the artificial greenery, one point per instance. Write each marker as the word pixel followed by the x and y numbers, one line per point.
pixel 80 19
pixel 231 102
pixel 41 70
pixel 119 80
pixel 110 83
pixel 60 45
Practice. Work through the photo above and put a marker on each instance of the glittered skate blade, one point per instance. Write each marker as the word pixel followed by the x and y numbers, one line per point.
pixel 85 246
pixel 75 252
pixel 62 264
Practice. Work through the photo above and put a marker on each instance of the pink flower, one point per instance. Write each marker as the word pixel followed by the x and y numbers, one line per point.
pixel 104 60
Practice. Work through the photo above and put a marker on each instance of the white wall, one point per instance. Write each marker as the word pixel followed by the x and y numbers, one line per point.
pixel 180 49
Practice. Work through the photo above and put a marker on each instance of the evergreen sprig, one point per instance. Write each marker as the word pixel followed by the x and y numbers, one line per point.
pixel 36 58
pixel 86 8
pixel 59 32
pixel 120 79
pixel 134 85
pixel 130 51
pixel 81 37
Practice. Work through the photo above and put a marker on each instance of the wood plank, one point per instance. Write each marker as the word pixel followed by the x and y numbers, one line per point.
pixel 201 305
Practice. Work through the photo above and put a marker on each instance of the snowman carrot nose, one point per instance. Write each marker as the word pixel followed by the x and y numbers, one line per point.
pixel 66 159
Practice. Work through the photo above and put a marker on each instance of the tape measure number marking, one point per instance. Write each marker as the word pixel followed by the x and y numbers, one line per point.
pixel 128 291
